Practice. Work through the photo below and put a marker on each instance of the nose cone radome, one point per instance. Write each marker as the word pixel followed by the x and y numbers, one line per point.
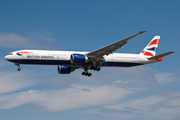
pixel 6 57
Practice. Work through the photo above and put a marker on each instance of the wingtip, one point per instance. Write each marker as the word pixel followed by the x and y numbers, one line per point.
pixel 173 51
pixel 142 31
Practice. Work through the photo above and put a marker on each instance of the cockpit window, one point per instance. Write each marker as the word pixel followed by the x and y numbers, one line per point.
pixel 10 53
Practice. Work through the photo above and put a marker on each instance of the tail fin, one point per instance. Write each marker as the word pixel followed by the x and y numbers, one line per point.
pixel 150 49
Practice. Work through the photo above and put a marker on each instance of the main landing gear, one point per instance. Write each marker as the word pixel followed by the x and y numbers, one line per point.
pixel 19 69
pixel 91 68
pixel 95 68
pixel 86 73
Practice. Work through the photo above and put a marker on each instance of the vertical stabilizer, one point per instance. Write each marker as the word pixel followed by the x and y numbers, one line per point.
pixel 150 49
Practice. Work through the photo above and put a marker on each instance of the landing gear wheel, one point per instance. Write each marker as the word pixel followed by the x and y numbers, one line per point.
pixel 98 69
pixel 19 69
pixel 86 74
pixel 89 74
pixel 95 68
pixel 83 73
pixel 91 67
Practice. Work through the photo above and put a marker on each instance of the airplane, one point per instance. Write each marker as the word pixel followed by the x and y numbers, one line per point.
pixel 69 61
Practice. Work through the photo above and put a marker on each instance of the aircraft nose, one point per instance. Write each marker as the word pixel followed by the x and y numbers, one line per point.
pixel 6 57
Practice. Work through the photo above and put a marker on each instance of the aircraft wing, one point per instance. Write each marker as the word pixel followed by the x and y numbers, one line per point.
pixel 99 53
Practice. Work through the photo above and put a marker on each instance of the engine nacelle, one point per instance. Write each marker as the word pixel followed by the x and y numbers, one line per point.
pixel 78 58
pixel 62 69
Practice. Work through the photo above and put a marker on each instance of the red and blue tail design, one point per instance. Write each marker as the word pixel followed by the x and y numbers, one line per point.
pixel 150 49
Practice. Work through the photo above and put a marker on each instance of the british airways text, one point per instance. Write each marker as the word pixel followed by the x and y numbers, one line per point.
pixel 37 56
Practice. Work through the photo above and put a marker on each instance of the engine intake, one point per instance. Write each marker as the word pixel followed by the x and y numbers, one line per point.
pixel 62 69
pixel 78 58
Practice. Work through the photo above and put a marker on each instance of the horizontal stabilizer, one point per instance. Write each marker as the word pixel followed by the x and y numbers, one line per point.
pixel 161 55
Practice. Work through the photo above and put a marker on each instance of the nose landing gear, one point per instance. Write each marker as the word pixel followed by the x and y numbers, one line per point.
pixel 19 69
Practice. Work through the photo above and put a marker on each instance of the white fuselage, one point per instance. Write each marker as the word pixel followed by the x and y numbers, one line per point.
pixel 46 57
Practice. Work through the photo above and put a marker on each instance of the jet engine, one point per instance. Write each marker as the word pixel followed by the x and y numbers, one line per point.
pixel 78 58
pixel 62 69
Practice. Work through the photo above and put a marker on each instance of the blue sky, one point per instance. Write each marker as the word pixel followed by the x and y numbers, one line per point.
pixel 138 93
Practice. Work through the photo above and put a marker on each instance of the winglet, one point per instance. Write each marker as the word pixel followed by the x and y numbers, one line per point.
pixel 142 31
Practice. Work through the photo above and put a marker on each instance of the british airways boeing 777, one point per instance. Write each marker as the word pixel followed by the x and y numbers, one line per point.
pixel 68 61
